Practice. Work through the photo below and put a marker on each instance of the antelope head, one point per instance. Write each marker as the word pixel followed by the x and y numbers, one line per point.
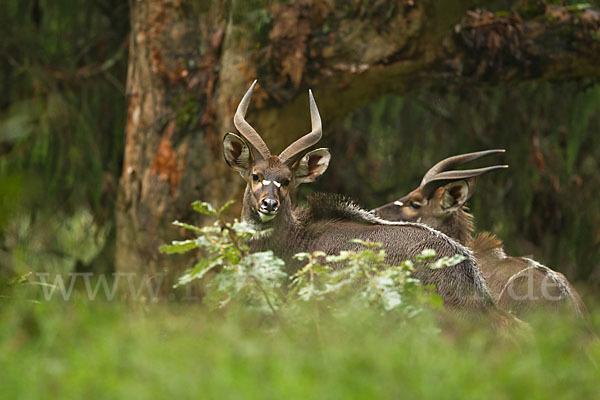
pixel 439 199
pixel 269 178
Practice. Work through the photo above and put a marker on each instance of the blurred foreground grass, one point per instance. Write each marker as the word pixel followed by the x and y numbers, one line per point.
pixel 98 349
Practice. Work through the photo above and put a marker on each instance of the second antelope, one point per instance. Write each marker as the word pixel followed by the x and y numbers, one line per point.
pixel 518 284
pixel 329 223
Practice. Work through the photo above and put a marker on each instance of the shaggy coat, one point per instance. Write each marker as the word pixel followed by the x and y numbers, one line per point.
pixel 329 222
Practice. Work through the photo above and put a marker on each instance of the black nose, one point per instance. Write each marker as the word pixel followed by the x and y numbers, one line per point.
pixel 269 205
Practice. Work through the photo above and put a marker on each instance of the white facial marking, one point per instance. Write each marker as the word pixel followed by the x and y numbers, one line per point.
pixel 266 183
pixel 266 217
pixel 277 184
pixel 399 203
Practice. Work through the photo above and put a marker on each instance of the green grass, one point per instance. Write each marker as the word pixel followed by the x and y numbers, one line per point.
pixel 100 350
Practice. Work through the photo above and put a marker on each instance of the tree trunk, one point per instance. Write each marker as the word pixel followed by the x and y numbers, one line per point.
pixel 190 64
pixel 171 151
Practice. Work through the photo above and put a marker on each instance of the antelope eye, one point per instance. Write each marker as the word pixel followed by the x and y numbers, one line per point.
pixel 415 206
pixel 255 177
pixel 285 183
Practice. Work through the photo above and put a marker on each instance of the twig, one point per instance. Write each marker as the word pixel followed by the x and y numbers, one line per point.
pixel 316 309
pixel 273 309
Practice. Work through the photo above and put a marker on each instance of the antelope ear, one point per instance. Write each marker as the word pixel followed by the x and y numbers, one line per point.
pixel 311 166
pixel 456 194
pixel 237 153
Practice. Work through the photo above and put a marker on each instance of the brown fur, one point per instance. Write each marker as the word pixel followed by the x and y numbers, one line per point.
pixel 517 284
pixel 329 223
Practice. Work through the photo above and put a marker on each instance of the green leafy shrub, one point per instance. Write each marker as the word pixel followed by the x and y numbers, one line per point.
pixel 335 284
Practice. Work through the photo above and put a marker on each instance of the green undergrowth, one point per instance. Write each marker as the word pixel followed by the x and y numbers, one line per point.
pixel 361 332
pixel 98 349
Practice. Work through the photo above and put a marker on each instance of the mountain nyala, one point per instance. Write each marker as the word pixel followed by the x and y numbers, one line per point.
pixel 329 222
pixel 518 284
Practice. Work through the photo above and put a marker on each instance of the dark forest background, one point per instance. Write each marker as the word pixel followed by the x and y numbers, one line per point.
pixel 64 110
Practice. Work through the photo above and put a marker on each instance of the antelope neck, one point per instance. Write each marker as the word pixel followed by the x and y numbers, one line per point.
pixel 459 226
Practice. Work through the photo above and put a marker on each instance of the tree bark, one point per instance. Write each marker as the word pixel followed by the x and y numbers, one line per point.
pixel 190 64
pixel 171 142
